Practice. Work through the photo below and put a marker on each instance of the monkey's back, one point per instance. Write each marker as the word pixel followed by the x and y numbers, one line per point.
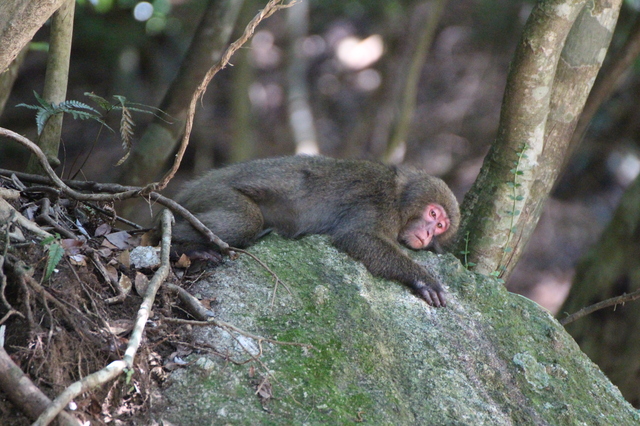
pixel 303 195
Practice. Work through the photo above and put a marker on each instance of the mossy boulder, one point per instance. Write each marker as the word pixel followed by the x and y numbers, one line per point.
pixel 380 355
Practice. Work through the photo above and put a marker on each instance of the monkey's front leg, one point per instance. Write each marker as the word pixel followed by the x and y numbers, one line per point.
pixel 385 259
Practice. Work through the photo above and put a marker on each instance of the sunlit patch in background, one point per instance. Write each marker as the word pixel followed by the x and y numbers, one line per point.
pixel 143 11
pixel 264 53
pixel 625 166
pixel 359 54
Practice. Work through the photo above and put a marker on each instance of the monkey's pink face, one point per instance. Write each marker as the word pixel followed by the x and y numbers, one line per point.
pixel 420 231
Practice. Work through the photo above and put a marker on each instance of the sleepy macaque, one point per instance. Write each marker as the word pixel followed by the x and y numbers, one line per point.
pixel 367 209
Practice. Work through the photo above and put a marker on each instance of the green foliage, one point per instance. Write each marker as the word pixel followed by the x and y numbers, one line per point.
pixel 82 111
pixel 54 254
pixel 77 109
pixel 466 252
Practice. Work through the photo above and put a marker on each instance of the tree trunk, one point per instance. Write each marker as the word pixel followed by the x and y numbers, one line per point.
pixel 554 67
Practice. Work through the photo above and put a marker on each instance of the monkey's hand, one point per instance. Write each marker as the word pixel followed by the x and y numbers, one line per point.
pixel 433 294
pixel 384 259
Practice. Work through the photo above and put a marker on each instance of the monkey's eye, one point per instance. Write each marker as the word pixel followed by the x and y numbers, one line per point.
pixel 439 225
pixel 433 214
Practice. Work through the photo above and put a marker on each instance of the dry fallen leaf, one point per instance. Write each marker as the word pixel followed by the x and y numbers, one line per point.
pixel 183 262
pixel 119 327
pixel 125 259
pixel 78 259
pixel 119 239
pixel 103 229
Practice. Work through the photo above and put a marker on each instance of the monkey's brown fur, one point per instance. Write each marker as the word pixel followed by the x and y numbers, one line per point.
pixel 362 205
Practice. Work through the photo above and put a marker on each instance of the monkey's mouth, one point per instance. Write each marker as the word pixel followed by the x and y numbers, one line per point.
pixel 418 243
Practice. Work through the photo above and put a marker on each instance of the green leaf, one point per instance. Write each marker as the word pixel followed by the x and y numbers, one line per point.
pixel 55 255
pixel 28 106
pixel 519 198
pixel 42 102
pixel 41 118
pixel 48 240
pixel 102 102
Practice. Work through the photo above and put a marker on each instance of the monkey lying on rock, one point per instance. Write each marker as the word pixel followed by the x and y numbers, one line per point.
pixel 367 208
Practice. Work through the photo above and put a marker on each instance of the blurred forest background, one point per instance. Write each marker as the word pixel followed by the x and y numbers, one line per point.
pixel 348 62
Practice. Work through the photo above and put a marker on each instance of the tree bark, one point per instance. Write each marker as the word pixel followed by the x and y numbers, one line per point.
pixel 9 77
pixel 554 67
pixel 19 21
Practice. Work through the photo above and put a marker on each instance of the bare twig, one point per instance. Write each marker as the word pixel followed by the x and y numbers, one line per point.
pixel 114 369
pixel 618 300
pixel 7 210
pixel 193 305
pixel 44 217
pixel 273 274
pixel 24 275
pixel 122 292
pixel 3 277
pixel 58 182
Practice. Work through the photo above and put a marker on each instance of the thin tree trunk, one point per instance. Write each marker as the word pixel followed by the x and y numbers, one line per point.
pixel 160 140
pixel 8 77
pixel 55 84
pixel 608 80
pixel 554 67
pixel 300 114
pixel 407 102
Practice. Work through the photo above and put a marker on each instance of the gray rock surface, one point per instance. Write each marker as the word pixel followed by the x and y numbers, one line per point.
pixel 380 355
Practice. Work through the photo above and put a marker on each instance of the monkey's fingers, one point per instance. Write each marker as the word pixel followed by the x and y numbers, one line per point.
pixel 433 296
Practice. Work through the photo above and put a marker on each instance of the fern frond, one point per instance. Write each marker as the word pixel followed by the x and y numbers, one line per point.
pixel 29 106
pixel 72 103
pixel 54 256
pixel 142 108
pixel 41 118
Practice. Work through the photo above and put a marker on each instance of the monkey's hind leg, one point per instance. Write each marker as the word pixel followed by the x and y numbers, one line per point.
pixel 235 219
